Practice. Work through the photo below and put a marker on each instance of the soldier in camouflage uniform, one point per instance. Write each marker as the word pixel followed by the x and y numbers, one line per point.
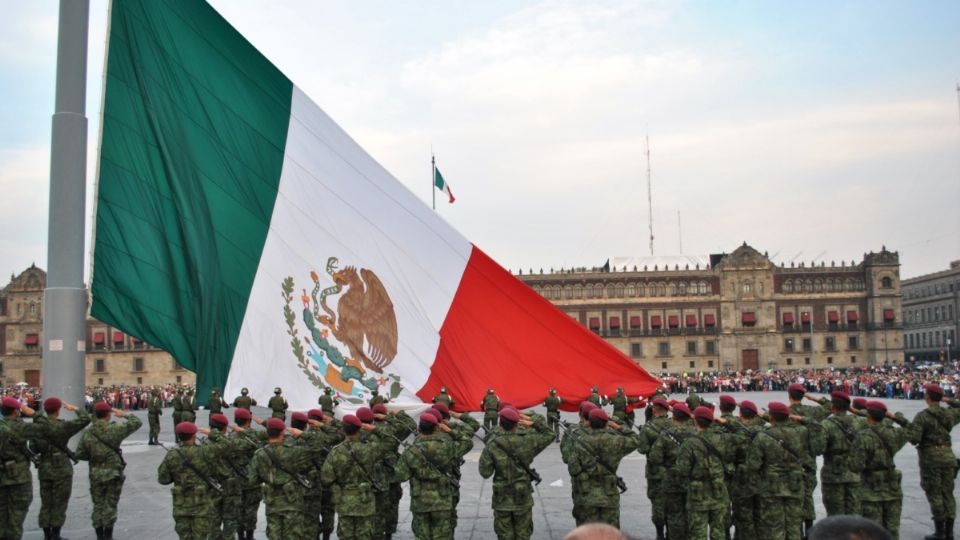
pixel 100 447
pixel 178 407
pixel 662 457
pixel 281 468
pixel 594 396
pixel 278 404
pixel 244 401
pixel 376 399
pixel 597 451
pixel 398 426
pixel 567 454
pixel 226 454
pixel 858 408
pixel 248 441
pixel 507 458
pixel 188 407
pixel 881 497
pixel 649 433
pixel 154 411
pixel 814 446
pixel 490 406
pixel 348 471
pixel 383 470
pixel 700 465
pixel 321 436
pixel 469 426
pixel 619 402
pixel 216 403
pixel 775 461
pixel 840 476
pixel 744 492
pixel 16 482
pixel 427 464
pixel 930 432
pixel 552 403
pixel 327 402
pixel 444 397
pixel 55 470
pixel 190 468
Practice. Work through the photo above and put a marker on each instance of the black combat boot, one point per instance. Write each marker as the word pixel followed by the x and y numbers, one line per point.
pixel 807 525
pixel 47 533
pixel 326 536
pixel 660 532
pixel 948 528
pixel 241 535
pixel 108 533
pixel 939 526
pixel 56 534
pixel 249 534
pixel 99 531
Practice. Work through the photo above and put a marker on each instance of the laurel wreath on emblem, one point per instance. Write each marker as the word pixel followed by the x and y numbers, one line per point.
pixel 364 316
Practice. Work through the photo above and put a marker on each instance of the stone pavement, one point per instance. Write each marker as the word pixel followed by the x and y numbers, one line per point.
pixel 145 508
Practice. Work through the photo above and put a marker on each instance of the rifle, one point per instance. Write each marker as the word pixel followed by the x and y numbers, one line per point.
pixel 806 468
pixel 24 450
pixel 117 451
pixel 621 485
pixel 300 479
pixel 453 479
pixel 531 472
pixel 209 480
pixel 665 434
pixel 849 433
pixel 373 481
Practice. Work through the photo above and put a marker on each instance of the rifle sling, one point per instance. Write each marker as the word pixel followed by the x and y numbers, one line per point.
pixel 366 473
pixel 116 451
pixel 534 477
pixel 189 464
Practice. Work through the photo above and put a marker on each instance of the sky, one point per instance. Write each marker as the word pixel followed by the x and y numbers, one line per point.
pixel 810 130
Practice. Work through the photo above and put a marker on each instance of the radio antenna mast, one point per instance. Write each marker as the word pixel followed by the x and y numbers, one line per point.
pixel 679 232
pixel 649 195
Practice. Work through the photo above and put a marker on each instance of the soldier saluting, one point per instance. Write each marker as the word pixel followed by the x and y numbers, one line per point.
pixel 55 469
pixel 930 431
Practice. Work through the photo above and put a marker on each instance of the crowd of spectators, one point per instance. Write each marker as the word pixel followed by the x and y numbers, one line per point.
pixel 119 396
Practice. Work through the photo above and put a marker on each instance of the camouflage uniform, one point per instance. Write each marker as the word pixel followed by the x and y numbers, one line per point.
pixel 595 457
pixel 279 406
pixel 744 492
pixel 177 407
pixel 400 426
pixel 662 457
pixel 467 426
pixel 16 482
pixel 318 502
pixel 327 403
pixel 244 401
pixel 490 406
pixel 512 491
pixel 444 397
pixel 188 407
pixel 930 432
pixel 619 402
pixel 100 446
pixel 814 448
pixel 772 458
pixel 654 475
pixel 377 399
pixel 552 403
pixel 348 472
pixel 55 470
pixel 594 397
pixel 881 497
pixel 216 403
pixel 274 467
pixel 154 410
pixel 248 442
pixel 193 506
pixel 225 454
pixel 700 465
pixel 839 478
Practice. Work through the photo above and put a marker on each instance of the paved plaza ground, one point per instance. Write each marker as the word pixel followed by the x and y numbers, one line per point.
pixel 145 508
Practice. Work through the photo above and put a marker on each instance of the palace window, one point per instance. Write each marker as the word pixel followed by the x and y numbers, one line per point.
pixel 663 348
pixel 853 342
pixel 788 286
pixel 99 365
pixel 711 346
pixel 807 344
pixel 691 347
pixel 830 343
pixel 138 365
pixel 886 283
pixel 636 350
pixel 788 345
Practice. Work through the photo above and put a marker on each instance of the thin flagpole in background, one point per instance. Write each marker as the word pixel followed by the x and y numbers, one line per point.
pixel 433 180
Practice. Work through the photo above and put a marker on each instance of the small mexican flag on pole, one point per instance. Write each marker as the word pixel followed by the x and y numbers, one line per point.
pixel 440 183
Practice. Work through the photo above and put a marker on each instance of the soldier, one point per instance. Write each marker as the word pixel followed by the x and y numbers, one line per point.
pixel 445 398
pixel 248 442
pixel 930 432
pixel 278 404
pixel 595 396
pixel 840 476
pixel 490 406
pixel 552 403
pixel 382 470
pixel 376 398
pixel 701 462
pixel 567 453
pixel 775 462
pixel 244 401
pixel 619 402
pixel 100 447
pixel 657 424
pixel 225 454
pixel 348 472
pixel 188 407
pixel 190 469
pixel 662 457
pixel 55 469
pixel 327 402
pixel 468 426
pixel 321 436
pixel 281 468
pixel 744 492
pixel 216 403
pixel 597 452
pixel 16 482
pixel 154 411
pixel 814 446
pixel 881 497
pixel 178 407
pixel 397 426
pixel 427 464
pixel 858 408
pixel 507 457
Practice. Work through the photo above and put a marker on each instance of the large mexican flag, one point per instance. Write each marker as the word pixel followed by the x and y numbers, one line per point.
pixel 242 230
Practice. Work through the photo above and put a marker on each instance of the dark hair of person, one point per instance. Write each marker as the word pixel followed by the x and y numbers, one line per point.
pixel 427 428
pixel 350 429
pixel 181 437
pixel 242 422
pixel 727 407
pixel 102 414
pixel 274 433
pixel 848 528
pixel 217 425
pixel 507 424
pixel 703 422
pixel 6 411
pixel 597 423
pixel 935 397
pixel 682 416
pixel 794 395
pixel 779 417
pixel 876 415
pixel 298 424
pixel 648 413
pixel 841 404
pixel 747 413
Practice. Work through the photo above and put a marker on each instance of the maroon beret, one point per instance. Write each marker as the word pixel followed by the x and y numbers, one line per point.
pixel 933 389
pixel 242 414
pixel 797 387
pixel 728 400
pixel 587 406
pixel 778 407
pixel 504 405
pixel 841 395
pixel 186 428
pixel 859 403
pixel 510 414
pixel 660 402
pixel 11 402
pixel 681 408
pixel 219 418
pixel 380 408
pixel 445 411
pixel 102 406
pixel 876 406
pixel 748 405
pixel 315 414
pixel 705 413
pixel 365 414
pixel 599 414
pixel 52 404
pixel 299 417
pixel 276 423
pixel 352 420
pixel 429 418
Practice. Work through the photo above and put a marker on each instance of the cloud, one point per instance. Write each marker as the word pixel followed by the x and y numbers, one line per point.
pixel 24 176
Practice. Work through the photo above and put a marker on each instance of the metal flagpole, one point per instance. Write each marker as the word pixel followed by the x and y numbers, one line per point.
pixel 433 181
pixel 65 298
